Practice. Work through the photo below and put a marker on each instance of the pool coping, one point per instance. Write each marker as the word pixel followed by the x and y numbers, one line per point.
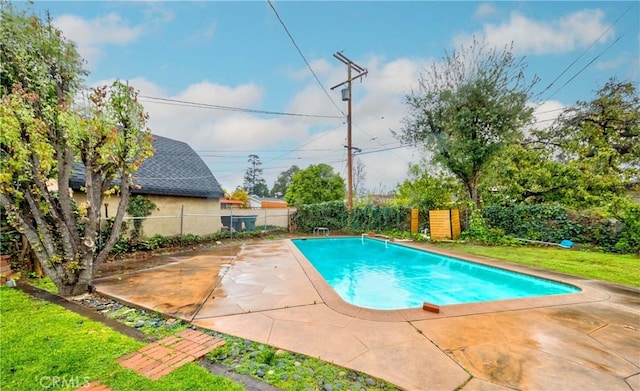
pixel 333 300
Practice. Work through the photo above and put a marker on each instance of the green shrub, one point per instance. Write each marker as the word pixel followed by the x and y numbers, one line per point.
pixel 335 216
pixel 629 236
pixel 332 215
pixel 480 231
pixel 380 218
pixel 550 223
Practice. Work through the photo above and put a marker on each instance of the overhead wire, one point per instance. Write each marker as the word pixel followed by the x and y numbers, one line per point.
pixel 315 76
pixel 582 54
pixel 284 26
pixel 178 102
pixel 587 65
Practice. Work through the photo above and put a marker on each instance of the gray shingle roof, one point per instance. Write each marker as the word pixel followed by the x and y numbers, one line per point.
pixel 175 170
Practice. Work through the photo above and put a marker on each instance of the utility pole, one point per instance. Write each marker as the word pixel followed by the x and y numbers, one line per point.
pixel 346 95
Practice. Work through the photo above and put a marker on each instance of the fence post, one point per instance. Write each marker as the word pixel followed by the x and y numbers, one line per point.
pixel 265 219
pixel 414 221
pixel 231 223
pixel 181 219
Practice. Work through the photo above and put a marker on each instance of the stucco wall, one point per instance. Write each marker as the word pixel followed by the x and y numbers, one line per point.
pixel 200 216
pixel 166 219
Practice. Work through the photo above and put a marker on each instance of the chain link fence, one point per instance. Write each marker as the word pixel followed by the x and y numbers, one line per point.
pixel 235 220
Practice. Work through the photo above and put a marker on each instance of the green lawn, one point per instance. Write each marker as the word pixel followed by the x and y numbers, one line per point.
pixel 623 269
pixel 44 346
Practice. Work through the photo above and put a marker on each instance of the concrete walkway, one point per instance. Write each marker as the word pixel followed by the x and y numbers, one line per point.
pixel 267 292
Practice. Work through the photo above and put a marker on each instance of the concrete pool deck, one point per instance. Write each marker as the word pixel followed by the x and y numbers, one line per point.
pixel 267 292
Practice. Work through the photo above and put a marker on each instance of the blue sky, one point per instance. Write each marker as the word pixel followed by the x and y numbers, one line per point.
pixel 238 54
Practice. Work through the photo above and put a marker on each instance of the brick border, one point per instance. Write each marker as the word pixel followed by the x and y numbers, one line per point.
pixel 160 358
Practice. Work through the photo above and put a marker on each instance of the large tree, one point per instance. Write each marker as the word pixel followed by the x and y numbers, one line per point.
pixel 601 137
pixel 524 173
pixel 588 157
pixel 467 109
pixel 315 184
pixel 426 191
pixel 254 183
pixel 283 182
pixel 44 137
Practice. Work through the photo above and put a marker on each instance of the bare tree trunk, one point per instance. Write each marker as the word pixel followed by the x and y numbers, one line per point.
pixel 472 190
pixel 78 287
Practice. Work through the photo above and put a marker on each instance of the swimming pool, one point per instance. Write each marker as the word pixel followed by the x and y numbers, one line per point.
pixel 376 274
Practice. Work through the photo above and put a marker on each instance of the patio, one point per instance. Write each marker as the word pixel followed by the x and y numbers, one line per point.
pixel 267 292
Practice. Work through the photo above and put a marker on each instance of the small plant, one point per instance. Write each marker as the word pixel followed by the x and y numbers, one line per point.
pixel 139 207
pixel 480 231
pixel 269 356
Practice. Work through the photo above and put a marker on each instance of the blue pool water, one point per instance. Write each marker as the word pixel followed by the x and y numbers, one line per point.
pixel 374 274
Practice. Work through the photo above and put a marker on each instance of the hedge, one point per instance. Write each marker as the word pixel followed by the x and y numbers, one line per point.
pixel 554 224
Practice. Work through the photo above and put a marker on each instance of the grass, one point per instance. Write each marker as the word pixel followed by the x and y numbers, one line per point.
pixel 619 268
pixel 282 369
pixel 46 346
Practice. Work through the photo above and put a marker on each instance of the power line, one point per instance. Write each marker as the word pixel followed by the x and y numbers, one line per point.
pixel 264 150
pixel 177 102
pixel 586 66
pixel 304 58
pixel 582 54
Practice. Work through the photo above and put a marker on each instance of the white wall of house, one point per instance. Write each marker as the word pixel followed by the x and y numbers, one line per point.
pixel 254 201
pixel 173 216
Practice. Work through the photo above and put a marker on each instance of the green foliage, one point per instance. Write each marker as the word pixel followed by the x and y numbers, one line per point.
pixel 629 237
pixel 283 182
pixel 315 184
pixel 240 194
pixel 254 183
pixel 287 370
pixel 332 215
pixel 587 158
pixel 426 192
pixel 139 207
pixel 553 224
pixel 526 174
pixel 467 109
pixel 43 135
pixel 335 216
pixel 58 343
pixel 379 218
pixel 601 136
pixel 10 239
pixel 480 231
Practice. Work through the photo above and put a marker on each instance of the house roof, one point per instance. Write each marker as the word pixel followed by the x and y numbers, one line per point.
pixel 175 169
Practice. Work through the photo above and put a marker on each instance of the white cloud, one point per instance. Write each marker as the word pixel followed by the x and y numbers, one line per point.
pixel 206 33
pixel 484 10
pixel 226 138
pixel 90 35
pixel 577 30
pixel 246 95
pixel 614 63
pixel 393 78
pixel 546 113
pixel 320 67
